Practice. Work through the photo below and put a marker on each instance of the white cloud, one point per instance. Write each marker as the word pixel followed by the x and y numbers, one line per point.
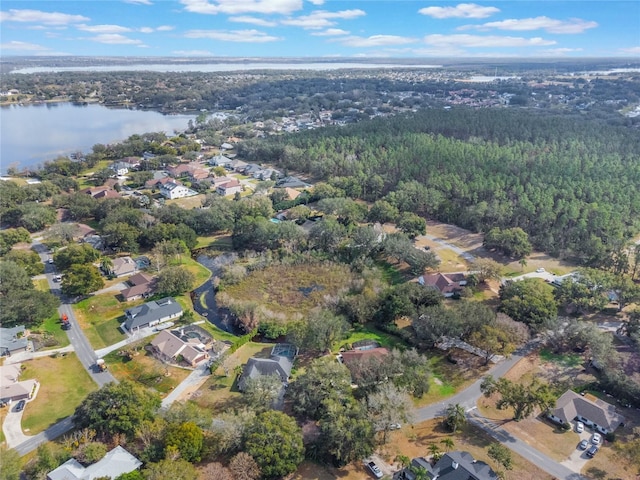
pixel 242 36
pixel 630 50
pixel 234 7
pixel 322 18
pixel 476 41
pixel 462 10
pixel 192 53
pixel 139 2
pixel 551 25
pixel 374 41
pixel 253 20
pixel 165 28
pixel 115 39
pixel 22 46
pixel 317 2
pixel 103 28
pixel 331 32
pixel 37 16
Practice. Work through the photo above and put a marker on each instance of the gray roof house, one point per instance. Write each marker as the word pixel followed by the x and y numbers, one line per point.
pixel 152 313
pixel 115 463
pixel 13 340
pixel 452 466
pixel 587 409
pixel 258 367
pixel 291 182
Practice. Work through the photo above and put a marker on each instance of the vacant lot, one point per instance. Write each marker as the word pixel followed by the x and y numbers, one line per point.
pixel 413 441
pixel 64 383
pixel 290 289
pixel 143 368
pixel 100 316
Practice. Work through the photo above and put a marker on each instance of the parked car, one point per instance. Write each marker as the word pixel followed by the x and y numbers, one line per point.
pixel 579 427
pixel 592 451
pixel 583 444
pixel 375 470
pixel 596 439
pixel 395 426
pixel 540 270
pixel 20 405
pixel 57 278
pixel 50 260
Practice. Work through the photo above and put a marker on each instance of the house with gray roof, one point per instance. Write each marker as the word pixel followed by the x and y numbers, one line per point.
pixel 152 313
pixel 260 367
pixel 291 182
pixel 590 410
pixel 115 463
pixel 13 340
pixel 451 466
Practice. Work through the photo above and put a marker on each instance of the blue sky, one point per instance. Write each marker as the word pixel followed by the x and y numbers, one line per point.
pixel 321 28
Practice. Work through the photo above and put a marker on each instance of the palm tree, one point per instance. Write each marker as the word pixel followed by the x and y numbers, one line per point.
pixel 433 449
pixel 420 473
pixel 105 264
pixel 448 443
pixel 456 417
pixel 522 262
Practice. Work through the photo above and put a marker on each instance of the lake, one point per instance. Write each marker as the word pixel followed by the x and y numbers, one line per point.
pixel 32 134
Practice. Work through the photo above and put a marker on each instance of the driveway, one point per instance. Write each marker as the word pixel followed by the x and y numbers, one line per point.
pixel 463 253
pixel 188 385
pixel 12 427
pixel 578 458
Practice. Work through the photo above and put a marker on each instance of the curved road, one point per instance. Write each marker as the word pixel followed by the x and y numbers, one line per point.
pixel 83 350
pixel 468 398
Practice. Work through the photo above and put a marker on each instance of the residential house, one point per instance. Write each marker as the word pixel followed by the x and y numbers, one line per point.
pixel 220 161
pixel 140 286
pixel 291 193
pixel 451 466
pixel 252 169
pixel 351 358
pixel 173 190
pixel 11 389
pixel 278 365
pixel 192 170
pixel 13 340
pixel 159 179
pixel 115 463
pixel 120 168
pixel 226 146
pixel 152 313
pixel 215 182
pixel 448 284
pixel 291 182
pixel 266 174
pixel 590 410
pixel 238 165
pixel 229 188
pixel 123 266
pixel 174 345
pixel 101 192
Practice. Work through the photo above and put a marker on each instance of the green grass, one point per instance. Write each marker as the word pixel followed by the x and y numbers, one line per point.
pixel 104 333
pixel 53 327
pixel 218 333
pixel 566 359
pixel 390 273
pixel 215 243
pixel 369 332
pixel 146 370
pixel 64 383
pixel 41 284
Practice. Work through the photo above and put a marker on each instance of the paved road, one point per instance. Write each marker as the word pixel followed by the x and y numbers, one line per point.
pixel 193 381
pixel 468 399
pixel 463 253
pixel 49 434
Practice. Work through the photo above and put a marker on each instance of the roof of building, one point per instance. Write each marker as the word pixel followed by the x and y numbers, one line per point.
pixel 151 312
pixel 139 279
pixel 168 186
pixel 291 193
pixel 451 466
pixel 137 290
pixel 291 182
pixel 13 338
pixel 115 463
pixel 352 356
pixel 17 390
pixel 257 367
pixel 448 283
pixel 230 184
pixel 172 343
pixel 123 266
pixel 571 404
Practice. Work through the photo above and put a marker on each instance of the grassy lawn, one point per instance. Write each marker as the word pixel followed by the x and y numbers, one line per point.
pixel 187 203
pixel 100 316
pixel 220 243
pixel 567 359
pixel 390 273
pixel 369 332
pixel 64 383
pixel 53 327
pixel 201 273
pixel 146 370
pixel 217 333
pixel 299 287
pixel 41 284
pixel 219 393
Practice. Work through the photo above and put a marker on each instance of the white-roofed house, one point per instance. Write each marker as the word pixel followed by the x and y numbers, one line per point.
pixel 115 463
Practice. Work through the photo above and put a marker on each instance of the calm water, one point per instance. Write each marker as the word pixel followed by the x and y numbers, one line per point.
pixel 32 134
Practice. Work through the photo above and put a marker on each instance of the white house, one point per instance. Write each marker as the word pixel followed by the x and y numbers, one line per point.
pixel 120 168
pixel 173 190
pixel 115 463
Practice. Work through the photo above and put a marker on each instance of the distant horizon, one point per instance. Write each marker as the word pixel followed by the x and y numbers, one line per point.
pixel 322 28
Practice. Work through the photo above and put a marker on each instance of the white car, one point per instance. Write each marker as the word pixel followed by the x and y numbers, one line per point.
pixel 50 260
pixel 374 469
pixel 596 439
pixel 579 427
pixel 540 270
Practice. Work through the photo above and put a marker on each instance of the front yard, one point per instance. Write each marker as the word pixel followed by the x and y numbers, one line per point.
pixel 64 383
pixel 100 316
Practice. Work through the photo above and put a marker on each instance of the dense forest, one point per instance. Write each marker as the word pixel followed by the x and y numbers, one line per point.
pixel 571 184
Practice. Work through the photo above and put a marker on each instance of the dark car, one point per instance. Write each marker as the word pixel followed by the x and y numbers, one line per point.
pixel 583 444
pixel 20 405
pixel 592 451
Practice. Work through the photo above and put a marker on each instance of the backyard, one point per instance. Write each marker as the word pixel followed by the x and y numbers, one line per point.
pixel 64 383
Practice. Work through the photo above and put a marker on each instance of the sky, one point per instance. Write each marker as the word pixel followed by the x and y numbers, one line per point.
pixel 321 28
